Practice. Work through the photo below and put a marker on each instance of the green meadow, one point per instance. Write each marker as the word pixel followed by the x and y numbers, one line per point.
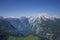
pixel 29 37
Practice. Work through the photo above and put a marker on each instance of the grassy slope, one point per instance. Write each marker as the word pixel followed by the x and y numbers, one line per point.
pixel 29 37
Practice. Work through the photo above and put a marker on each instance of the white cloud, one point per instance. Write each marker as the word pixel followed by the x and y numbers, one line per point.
pixel 46 15
pixel 13 17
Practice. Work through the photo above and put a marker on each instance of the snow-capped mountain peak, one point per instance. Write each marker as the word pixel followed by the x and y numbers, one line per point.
pixel 46 16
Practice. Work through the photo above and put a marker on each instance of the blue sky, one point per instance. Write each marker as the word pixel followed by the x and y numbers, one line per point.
pixel 29 7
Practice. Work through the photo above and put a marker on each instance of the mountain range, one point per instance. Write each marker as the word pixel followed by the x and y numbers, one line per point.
pixel 45 26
